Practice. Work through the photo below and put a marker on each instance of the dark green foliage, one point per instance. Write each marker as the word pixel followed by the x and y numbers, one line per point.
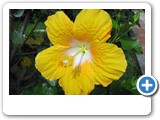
pixel 17 37
pixel 42 88
pixel 129 44
pixel 27 38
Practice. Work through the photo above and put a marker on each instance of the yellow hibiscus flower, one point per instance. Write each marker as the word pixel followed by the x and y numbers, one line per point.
pixel 80 57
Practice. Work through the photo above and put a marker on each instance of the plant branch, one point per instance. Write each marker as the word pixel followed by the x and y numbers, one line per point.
pixel 24 25
pixel 15 49
pixel 31 75
pixel 28 53
pixel 124 33
pixel 30 32
pixel 13 53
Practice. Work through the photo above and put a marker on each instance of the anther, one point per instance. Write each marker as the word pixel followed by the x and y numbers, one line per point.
pixel 66 61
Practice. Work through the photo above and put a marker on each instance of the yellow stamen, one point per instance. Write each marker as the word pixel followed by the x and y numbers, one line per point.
pixel 77 69
pixel 66 61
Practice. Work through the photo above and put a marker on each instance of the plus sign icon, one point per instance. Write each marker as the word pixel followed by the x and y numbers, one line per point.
pixel 147 85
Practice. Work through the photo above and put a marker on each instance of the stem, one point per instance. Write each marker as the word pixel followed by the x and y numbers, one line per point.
pixel 30 85
pixel 13 53
pixel 30 32
pixel 30 76
pixel 28 53
pixel 114 39
pixel 15 49
pixel 124 33
pixel 19 80
pixel 115 36
pixel 24 25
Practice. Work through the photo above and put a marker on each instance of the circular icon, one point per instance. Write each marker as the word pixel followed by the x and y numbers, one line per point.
pixel 147 85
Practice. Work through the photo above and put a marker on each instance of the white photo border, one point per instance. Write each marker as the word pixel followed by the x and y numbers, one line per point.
pixel 74 104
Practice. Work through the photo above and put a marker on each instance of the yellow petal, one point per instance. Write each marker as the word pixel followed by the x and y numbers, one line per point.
pixel 48 61
pixel 109 62
pixel 78 82
pixel 59 28
pixel 92 25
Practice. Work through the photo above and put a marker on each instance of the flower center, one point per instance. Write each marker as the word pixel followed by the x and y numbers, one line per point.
pixel 80 54
pixel 68 60
pixel 82 50
pixel 75 56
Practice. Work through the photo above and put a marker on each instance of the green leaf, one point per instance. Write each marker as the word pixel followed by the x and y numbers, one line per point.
pixel 40 28
pixel 29 27
pixel 18 13
pixel 16 26
pixel 37 41
pixel 124 28
pixel 136 17
pixel 118 17
pixel 41 88
pixel 130 85
pixel 41 25
pixel 17 37
pixel 115 26
pixel 128 44
pixel 115 31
